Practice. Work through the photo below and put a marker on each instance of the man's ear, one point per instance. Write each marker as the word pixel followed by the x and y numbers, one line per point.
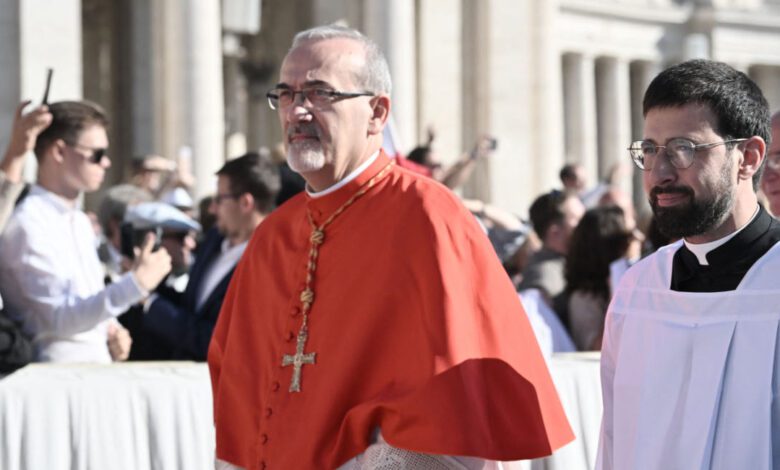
pixel 55 151
pixel 246 202
pixel 752 156
pixel 381 111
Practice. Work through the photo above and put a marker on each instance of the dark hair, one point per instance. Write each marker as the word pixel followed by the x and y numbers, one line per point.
pixel 547 210
pixel 740 109
pixel 254 174
pixel 69 120
pixel 568 171
pixel 419 155
pixel 600 238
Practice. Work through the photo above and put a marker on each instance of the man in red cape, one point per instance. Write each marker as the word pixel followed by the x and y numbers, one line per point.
pixel 369 319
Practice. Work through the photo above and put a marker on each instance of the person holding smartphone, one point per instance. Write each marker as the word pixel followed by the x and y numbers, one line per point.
pixel 50 274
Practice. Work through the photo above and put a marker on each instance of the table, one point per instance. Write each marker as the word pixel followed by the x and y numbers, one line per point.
pixel 576 377
pixel 158 416
pixel 133 416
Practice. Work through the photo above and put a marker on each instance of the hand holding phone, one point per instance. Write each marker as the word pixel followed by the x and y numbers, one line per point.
pixel 150 267
pixel 132 239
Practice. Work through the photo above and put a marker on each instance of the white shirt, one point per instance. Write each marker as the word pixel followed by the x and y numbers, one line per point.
pixel 550 332
pixel 52 280
pixel 228 258
pixel 354 174
pixel 690 379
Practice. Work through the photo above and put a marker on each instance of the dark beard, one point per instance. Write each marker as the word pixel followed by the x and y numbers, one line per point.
pixel 696 217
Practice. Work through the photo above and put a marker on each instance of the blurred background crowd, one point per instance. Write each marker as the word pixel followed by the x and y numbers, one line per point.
pixel 186 161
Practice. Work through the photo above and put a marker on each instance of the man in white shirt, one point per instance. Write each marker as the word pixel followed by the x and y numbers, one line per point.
pixel 689 362
pixel 50 276
pixel 246 190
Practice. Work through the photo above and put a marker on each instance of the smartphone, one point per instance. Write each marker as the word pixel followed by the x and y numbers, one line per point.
pixel 132 238
pixel 492 143
pixel 49 73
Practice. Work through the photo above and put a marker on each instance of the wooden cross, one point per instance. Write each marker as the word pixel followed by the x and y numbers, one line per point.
pixel 298 360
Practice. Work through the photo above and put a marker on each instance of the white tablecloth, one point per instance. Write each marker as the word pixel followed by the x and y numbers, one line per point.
pixel 158 416
pixel 133 416
pixel 576 376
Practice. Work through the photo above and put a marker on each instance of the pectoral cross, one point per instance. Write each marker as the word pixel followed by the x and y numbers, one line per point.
pixel 298 360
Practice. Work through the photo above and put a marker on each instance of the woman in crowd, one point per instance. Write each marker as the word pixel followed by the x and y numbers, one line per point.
pixel 600 238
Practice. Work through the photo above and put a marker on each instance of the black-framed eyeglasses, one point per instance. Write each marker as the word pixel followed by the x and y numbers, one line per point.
pixel 318 96
pixel 96 155
pixel 679 151
pixel 218 198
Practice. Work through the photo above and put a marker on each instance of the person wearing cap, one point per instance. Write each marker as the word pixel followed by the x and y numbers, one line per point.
pixel 246 191
pixel 179 198
pixel 177 231
pixel 111 215
pixel 50 273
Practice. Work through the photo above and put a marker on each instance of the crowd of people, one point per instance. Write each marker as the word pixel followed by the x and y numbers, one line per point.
pixel 340 240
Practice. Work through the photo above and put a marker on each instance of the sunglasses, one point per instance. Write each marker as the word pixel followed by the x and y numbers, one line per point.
pixel 97 153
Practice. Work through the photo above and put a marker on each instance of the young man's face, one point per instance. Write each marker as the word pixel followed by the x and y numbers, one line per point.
pixel 695 200
pixel 80 171
pixel 225 208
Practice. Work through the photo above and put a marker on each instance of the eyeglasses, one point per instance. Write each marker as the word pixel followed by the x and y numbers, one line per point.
pixel 218 198
pixel 283 97
pixel 680 152
pixel 97 153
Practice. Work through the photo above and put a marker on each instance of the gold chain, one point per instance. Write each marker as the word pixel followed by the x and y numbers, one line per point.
pixel 307 295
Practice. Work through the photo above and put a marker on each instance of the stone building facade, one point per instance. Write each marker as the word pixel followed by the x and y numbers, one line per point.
pixel 554 80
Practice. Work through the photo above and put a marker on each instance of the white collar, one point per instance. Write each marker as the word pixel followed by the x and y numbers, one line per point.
pixel 225 247
pixel 701 249
pixel 354 174
pixel 62 204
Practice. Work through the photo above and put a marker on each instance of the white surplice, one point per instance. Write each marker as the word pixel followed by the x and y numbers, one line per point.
pixel 690 380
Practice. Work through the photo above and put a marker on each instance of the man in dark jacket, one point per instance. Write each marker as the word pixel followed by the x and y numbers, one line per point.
pixel 246 190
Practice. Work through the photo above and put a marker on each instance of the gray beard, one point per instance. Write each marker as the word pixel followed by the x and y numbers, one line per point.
pixel 305 158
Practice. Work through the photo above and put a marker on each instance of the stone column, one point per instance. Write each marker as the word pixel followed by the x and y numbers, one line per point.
pixel 391 23
pixel 547 133
pixel 26 50
pixel 440 85
pixel 579 78
pixel 203 110
pixel 147 53
pixel 614 115
pixel 498 63
pixel 642 73
pixel 347 12
pixel 236 98
pixel 768 79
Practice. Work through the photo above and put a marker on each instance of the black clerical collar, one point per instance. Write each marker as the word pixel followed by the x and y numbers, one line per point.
pixel 728 263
